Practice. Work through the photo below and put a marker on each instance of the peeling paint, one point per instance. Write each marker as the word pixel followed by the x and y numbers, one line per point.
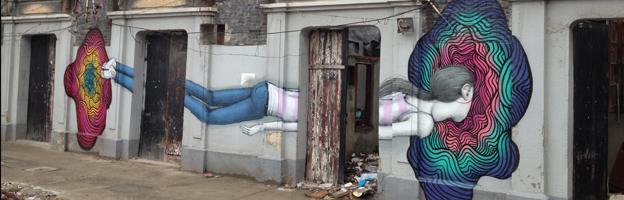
pixel 324 109
pixel 157 3
pixel 37 9
pixel 274 139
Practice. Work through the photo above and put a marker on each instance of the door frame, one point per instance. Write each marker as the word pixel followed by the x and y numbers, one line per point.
pixel 50 94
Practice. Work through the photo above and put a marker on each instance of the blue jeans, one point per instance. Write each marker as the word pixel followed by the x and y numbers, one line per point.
pixel 125 76
pixel 234 105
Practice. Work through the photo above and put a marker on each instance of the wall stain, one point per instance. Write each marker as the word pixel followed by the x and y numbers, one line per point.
pixel 274 139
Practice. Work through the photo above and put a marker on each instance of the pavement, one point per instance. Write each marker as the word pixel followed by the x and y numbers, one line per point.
pixel 84 176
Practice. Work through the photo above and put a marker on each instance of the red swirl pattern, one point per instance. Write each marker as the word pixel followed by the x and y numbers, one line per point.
pixel 91 93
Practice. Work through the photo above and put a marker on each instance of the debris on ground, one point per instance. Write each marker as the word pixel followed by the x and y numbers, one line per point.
pixel 361 174
pixel 314 186
pixel 317 194
pixel 360 191
pixel 209 174
pixel 360 180
pixel 286 189
pixel 342 192
pixel 360 163
pixel 20 191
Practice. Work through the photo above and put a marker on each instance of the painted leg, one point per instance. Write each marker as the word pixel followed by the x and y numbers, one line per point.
pixel 250 108
pixel 220 97
pixel 125 81
pixel 125 69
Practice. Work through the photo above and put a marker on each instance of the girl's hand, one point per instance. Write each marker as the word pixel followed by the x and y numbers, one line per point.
pixel 108 69
pixel 252 129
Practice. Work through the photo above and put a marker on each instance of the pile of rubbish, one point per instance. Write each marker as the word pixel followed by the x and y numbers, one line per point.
pixel 360 180
pixel 19 191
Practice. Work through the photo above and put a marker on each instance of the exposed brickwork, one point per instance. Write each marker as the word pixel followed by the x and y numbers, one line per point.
pixel 244 19
pixel 83 17
pixel 246 23
pixel 86 18
pixel 429 16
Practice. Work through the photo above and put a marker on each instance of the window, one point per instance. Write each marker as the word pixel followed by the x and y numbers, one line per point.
pixel 212 34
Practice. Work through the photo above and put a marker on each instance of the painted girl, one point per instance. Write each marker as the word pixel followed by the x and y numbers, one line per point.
pixel 404 110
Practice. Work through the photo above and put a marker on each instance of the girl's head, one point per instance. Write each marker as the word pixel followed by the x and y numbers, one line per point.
pixel 452 82
pixel 448 84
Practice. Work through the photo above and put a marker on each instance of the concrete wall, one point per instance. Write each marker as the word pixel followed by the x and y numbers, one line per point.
pixel 221 149
pixel 544 29
pixel 399 181
pixel 128 48
pixel 15 69
pixel 218 148
pixel 543 135
pixel 292 47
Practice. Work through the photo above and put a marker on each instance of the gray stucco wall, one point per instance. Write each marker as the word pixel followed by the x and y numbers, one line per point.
pixel 543 136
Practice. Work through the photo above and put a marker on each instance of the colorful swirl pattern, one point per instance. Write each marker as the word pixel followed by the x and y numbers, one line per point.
pixel 455 156
pixel 91 93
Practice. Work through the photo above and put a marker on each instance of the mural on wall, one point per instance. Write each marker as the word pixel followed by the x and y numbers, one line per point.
pixel 405 110
pixel 416 108
pixel 230 105
pixel 451 160
pixel 91 93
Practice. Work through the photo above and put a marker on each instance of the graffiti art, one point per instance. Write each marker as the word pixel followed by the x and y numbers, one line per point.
pixel 451 99
pixel 91 93
pixel 451 160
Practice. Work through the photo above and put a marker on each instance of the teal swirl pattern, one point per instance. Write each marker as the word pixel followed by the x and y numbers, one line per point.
pixel 450 161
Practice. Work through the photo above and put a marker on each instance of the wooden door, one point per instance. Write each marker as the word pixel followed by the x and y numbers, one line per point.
pixel 326 106
pixel 162 118
pixel 616 66
pixel 40 84
pixel 616 99
pixel 590 110
pixel 175 97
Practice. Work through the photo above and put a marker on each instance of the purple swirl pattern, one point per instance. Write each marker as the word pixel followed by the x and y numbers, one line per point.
pixel 450 161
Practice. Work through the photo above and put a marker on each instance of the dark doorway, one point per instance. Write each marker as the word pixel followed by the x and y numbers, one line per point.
pixel 40 84
pixel 326 106
pixel 162 117
pixel 590 40
pixel 616 109
pixel 362 118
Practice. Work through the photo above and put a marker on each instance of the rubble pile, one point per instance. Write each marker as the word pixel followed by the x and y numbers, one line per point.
pixel 17 191
pixel 360 180
pixel 361 174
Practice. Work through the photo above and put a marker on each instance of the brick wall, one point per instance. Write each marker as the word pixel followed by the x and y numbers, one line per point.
pixel 83 17
pixel 245 21
pixel 86 18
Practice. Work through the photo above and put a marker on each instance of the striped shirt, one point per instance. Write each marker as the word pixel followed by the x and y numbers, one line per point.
pixel 283 104
pixel 392 108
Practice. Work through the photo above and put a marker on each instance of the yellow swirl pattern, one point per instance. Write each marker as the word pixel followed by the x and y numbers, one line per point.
pixel 90 90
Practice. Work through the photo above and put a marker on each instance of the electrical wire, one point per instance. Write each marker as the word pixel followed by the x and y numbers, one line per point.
pixel 366 20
